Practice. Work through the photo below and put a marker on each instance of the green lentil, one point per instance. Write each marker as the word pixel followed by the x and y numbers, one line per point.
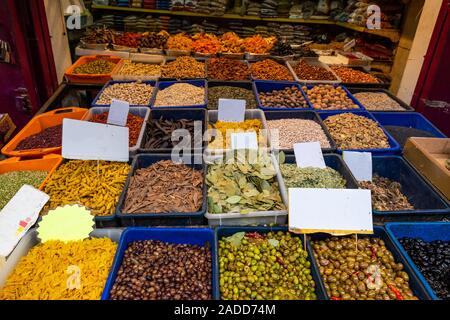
pixel 11 182
pixel 228 92
pixel 295 177
pixel 95 67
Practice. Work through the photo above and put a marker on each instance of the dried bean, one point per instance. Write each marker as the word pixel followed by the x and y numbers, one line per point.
pixel 184 68
pixel 290 97
pixel 158 134
pixel 228 70
pixel 270 70
pixel 378 101
pixel 229 92
pixel 327 97
pixel 306 71
pixel 349 75
pixel 135 93
pixel 180 94
pixel 48 138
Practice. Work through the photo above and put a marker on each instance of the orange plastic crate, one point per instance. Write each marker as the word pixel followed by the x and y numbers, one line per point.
pixel 92 78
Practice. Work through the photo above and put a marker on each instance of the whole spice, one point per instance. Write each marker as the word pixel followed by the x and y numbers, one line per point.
pixel 135 93
pixel 180 94
pixel 264 267
pixel 328 97
pixel 295 177
pixel 228 69
pixel 127 39
pixel 154 270
pixel 134 124
pixel 229 92
pixel 285 133
pixel 45 273
pixel 99 66
pixel 158 134
pixel 96 185
pixel 386 194
pixel 243 186
pixel 179 41
pixel 432 260
pixel 131 68
pixel 290 97
pixel 231 43
pixel 362 269
pixel 11 182
pixel 47 138
pixel 270 70
pixel 206 44
pixel 258 44
pixel 349 75
pixel 351 131
pixel 402 134
pixel 378 101
pixel 311 72
pixel 184 68
pixel 98 36
pixel 226 129
pixel 165 187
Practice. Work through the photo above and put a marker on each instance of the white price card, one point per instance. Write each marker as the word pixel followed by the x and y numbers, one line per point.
pixel 309 154
pixel 84 140
pixel 333 211
pixel 118 113
pixel 245 140
pixel 19 215
pixel 232 110
pixel 360 164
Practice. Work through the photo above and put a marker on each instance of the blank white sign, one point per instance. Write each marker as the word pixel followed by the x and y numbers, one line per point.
pixel 118 113
pixel 232 110
pixel 360 164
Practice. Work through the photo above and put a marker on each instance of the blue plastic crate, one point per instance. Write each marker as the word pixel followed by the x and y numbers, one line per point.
pixel 222 232
pixel 355 101
pixel 160 219
pixel 394 146
pixel 165 84
pixel 150 101
pixel 428 232
pixel 379 232
pixel 268 86
pixel 200 236
pixel 429 205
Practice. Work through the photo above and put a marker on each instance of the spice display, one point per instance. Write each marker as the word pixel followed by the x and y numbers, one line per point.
pixel 228 69
pixel 432 259
pixel 295 177
pixel 184 68
pixel 273 266
pixel 154 40
pixel 96 185
pixel 179 41
pixel 243 186
pixel 165 187
pixel 402 134
pixel 43 273
pixel 99 66
pixel 135 93
pixel 180 94
pixel 349 75
pixel 131 68
pixel 158 134
pixel 134 124
pixel 258 45
pixel 47 138
pixel 290 97
pixel 226 129
pixel 154 270
pixel 311 72
pixel 361 270
pixel 11 182
pixel 282 49
pixel 386 194
pixel 305 52
pixel 127 39
pixel 206 44
pixel 351 131
pixel 229 92
pixel 270 70
pixel 285 133
pixel 328 97
pixel 378 101
pixel 231 43
pixel 98 36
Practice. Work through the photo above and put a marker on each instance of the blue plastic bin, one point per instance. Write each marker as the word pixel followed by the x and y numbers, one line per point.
pixel 110 83
pixel 145 219
pixel 165 84
pixel 429 205
pixel 222 232
pixel 355 101
pixel 238 84
pixel 200 236
pixel 394 146
pixel 379 232
pixel 306 115
pixel 268 86
pixel 428 232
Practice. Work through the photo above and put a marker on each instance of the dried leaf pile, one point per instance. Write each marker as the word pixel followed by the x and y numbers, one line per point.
pixel 295 177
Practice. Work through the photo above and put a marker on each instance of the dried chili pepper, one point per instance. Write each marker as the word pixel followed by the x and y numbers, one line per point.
pixel 397 293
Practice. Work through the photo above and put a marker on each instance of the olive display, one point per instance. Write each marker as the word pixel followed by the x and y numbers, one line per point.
pixel 272 266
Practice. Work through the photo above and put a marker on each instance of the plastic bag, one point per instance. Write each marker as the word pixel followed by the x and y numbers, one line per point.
pixel 437 104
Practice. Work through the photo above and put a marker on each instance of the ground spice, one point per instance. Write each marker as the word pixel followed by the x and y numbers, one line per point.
pixel 48 138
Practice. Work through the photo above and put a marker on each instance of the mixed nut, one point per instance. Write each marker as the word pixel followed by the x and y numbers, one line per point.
pixel 135 93
pixel 328 97
pixel 289 97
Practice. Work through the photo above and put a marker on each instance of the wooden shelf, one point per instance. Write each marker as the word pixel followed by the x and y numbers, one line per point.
pixel 392 34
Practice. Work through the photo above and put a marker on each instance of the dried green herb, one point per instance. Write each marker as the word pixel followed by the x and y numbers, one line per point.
pixel 229 92
pixel 243 186
pixel 295 177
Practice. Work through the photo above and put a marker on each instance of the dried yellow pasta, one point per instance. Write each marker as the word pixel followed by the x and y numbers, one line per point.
pixel 61 271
